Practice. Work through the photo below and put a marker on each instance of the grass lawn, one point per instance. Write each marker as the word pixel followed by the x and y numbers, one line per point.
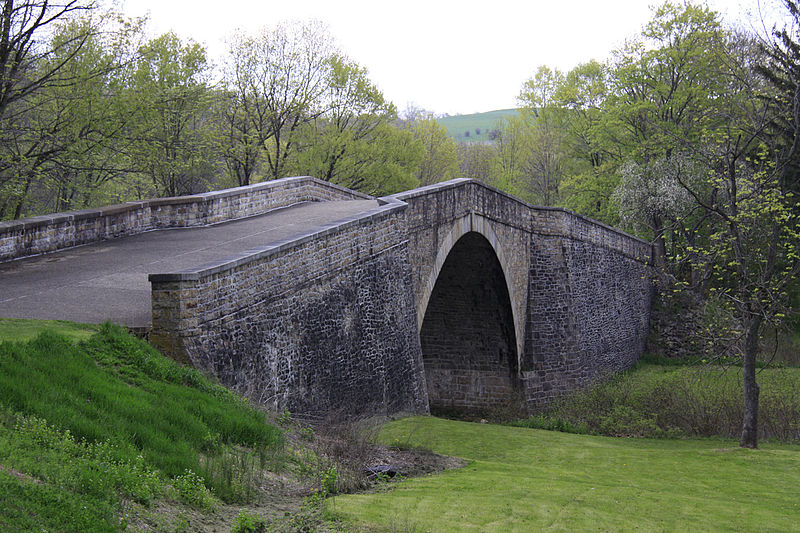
pixel 522 479
pixel 12 329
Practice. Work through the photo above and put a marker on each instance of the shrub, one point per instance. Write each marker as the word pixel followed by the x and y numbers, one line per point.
pixel 249 523
pixel 191 490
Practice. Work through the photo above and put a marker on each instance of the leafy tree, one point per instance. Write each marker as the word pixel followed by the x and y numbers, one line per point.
pixel 172 96
pixel 440 159
pixel 23 24
pixel 280 78
pixel 94 116
pixel 67 139
pixel 28 65
pixel 593 159
pixel 475 161
pixel 512 148
pixel 662 89
pixel 708 161
pixel 781 69
pixel 755 247
pixel 340 143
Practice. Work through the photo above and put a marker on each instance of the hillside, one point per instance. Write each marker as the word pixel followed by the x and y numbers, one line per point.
pixel 475 127
pixel 105 434
pixel 101 433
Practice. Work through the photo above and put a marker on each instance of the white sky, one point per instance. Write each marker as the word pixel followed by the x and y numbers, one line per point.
pixel 446 56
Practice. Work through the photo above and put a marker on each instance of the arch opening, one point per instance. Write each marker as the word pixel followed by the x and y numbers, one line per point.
pixel 468 340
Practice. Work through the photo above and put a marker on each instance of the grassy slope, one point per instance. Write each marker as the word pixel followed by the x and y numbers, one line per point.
pixel 85 427
pixel 12 329
pixel 458 124
pixel 527 480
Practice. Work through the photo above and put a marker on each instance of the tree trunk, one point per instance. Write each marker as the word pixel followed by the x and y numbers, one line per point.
pixel 660 244
pixel 751 389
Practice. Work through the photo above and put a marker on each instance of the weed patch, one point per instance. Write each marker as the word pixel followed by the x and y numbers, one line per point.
pixel 673 401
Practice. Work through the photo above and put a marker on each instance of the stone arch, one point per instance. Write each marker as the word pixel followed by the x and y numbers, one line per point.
pixel 468 335
pixel 478 224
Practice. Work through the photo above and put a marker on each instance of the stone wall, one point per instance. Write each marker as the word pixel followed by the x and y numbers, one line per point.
pixel 589 309
pixel 31 236
pixel 324 323
pixel 579 294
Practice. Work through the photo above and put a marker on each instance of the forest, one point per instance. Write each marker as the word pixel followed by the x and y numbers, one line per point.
pixel 687 136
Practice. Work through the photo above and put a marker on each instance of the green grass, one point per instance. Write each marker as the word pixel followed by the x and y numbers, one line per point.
pixel 668 401
pixel 520 479
pixel 107 419
pixel 12 329
pixel 458 125
pixel 51 481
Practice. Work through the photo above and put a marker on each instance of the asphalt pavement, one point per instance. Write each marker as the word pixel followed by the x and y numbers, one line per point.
pixel 108 280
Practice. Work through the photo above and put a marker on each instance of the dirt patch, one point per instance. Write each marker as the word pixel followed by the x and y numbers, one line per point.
pixel 19 475
pixel 285 498
pixel 414 463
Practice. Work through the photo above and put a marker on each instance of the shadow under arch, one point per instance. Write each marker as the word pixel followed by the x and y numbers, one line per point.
pixel 478 224
pixel 467 331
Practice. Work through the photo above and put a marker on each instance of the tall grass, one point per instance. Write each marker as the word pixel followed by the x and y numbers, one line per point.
pixel 116 388
pixel 664 401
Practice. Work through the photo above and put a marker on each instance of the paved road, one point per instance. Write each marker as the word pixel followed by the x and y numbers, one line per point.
pixel 108 280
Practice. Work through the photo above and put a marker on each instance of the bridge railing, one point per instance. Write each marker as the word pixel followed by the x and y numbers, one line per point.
pixel 48 233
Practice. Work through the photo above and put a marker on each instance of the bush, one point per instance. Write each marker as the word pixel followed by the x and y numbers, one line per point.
pixel 191 490
pixel 249 523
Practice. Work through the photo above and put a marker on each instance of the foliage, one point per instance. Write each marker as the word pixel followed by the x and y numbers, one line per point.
pixel 171 96
pixel 440 154
pixel 61 138
pixel 192 491
pixel 249 523
pixel 280 79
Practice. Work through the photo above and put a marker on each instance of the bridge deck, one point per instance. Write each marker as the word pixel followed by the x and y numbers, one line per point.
pixel 108 280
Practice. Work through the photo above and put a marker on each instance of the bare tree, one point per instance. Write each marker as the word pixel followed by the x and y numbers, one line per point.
pixel 23 27
pixel 279 78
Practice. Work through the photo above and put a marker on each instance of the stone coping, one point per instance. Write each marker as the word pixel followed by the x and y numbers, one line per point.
pixel 462 182
pixel 57 231
pixel 117 209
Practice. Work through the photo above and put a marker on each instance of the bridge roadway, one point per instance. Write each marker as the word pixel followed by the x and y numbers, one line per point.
pixel 108 280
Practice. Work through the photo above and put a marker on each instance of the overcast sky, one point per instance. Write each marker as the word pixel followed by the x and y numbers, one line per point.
pixel 445 56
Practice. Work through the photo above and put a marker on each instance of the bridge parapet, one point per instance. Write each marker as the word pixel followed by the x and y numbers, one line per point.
pixel 323 322
pixel 48 233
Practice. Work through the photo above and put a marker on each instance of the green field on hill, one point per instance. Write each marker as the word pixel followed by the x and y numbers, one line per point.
pixel 475 127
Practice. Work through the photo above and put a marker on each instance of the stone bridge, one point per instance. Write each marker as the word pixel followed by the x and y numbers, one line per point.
pixel 455 295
